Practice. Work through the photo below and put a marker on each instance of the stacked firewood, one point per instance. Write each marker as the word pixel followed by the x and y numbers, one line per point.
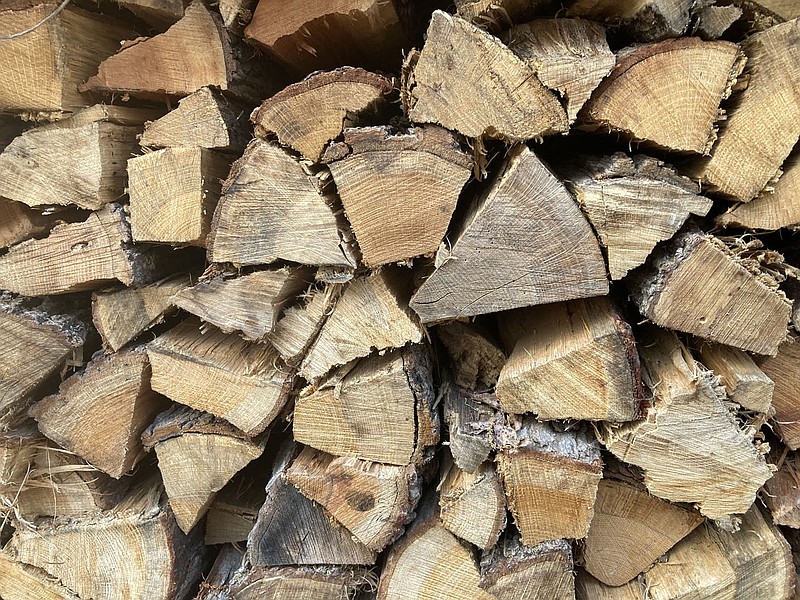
pixel 382 299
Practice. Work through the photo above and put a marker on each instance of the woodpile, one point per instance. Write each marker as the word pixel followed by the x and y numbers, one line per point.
pixel 396 300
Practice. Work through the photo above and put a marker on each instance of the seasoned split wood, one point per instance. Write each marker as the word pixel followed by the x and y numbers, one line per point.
pixel 589 588
pixel 495 15
pixel 713 21
pixel 475 356
pixel 644 20
pixel 784 371
pixel 318 582
pixel 234 510
pixel 161 14
pixel 470 419
pixel 19 222
pixel 215 585
pixel 19 581
pixel 744 382
pixel 781 494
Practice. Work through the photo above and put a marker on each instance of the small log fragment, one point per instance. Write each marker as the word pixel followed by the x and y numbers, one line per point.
pixel 373 501
pixel 644 20
pixel 215 585
pixel 781 493
pixel 160 14
pixel 470 418
pixel 421 174
pixel 273 209
pixel 499 14
pixel 19 581
pixel 570 360
pixel 695 284
pixel 475 356
pixel 310 113
pixel 589 588
pixel 689 443
pixel 466 80
pixel 236 14
pixel 197 455
pixel 513 571
pixel 19 447
pixel 320 582
pixel 633 203
pixel 234 510
pixel 222 374
pixel 101 413
pixel 784 371
pixel 630 530
pixel 18 222
pixel 780 10
pixel 542 248
pixel 744 382
pixel 550 478
pixel 713 21
pixel 570 56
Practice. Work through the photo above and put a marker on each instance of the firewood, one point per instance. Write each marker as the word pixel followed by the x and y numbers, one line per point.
pixel 371 314
pixel 476 358
pixel 215 586
pixel 472 505
pixel 309 114
pixel 372 500
pixel 694 284
pixel 204 119
pixel 236 14
pixel 195 52
pixel 689 444
pixel 19 447
pixel 496 15
pixel 160 14
pixel 781 493
pixel 393 393
pixel 293 530
pixel 455 83
pixel 744 382
pixel 222 374
pixel 80 256
pixel 785 10
pixel 589 588
pixel 570 360
pixel 40 71
pixel 742 163
pixel 100 413
pixel 550 478
pixel 173 194
pixel 421 174
pixel 309 37
pixel 234 510
pixel 568 55
pixel 713 21
pixel 513 571
pixel 470 419
pixel 19 581
pixel 784 371
pixel 644 20
pixel 197 455
pixel 272 209
pixel 630 530
pixel 19 222
pixel 633 203
pixel 318 582
pixel 542 249
pixel 250 304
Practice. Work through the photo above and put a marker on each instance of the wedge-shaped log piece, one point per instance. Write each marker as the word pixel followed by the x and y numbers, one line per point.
pixel 204 119
pixel 644 20
pixel 513 571
pixel 374 409
pixel 475 356
pixel 761 131
pixel 309 114
pixel 40 71
pixel 320 582
pixel 473 505
pixel 784 371
pixel 689 443
pixel 101 413
pixel 420 175
pixel 633 203
pixel 19 581
pixel 250 304
pixel 222 374
pixel 19 447
pixel 160 14
pixel 499 14
pixel 293 530
pixel 234 510
pixel 470 419
pixel 542 248
pixel 655 94
pixel 197 455
pixel 550 478
pixel 173 194
pixel 371 314
pixel 19 222
pixel 713 21
pixel 215 585
pixel 372 500
pixel 465 79
pixel 589 588
pixel 136 550
pixel 744 382
pixel 694 284
pixel 570 360
pixel 567 55
pixel 630 530
pixel 781 494
pixel 273 209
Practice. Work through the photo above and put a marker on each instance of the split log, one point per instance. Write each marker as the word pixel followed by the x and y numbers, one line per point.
pixel 197 455
pixel 309 37
pixel 744 382
pixel 19 581
pixel 472 505
pixel 173 194
pixel 455 82
pixel 272 209
pixel 713 21
pixel 320 582
pixel 475 356
pixel 695 284
pixel 377 409
pixel 373 501
pixel 689 443
pixel 654 93
pixel 782 10
pixel 470 418
pixel 222 374
pixel 100 413
pixel 784 371
pixel 633 203
pixel 421 174
pixel 234 510
pixel 589 588
pixel 781 493
pixel 309 114
pixel 644 20
pixel 160 14
pixel 513 571
pixel 494 15
pixel 550 478
pixel 570 360
pixel 19 447
pixel 236 14
pixel 570 56
pixel 542 249
pixel 216 584
pixel 18 222
pixel 742 162
pixel 250 304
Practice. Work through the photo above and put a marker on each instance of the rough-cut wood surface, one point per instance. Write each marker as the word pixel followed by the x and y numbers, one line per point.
pixel 234 510
pixel 744 382
pixel 279 583
pixel 158 13
pixel 781 493
pixel 19 222
pixel 470 419
pixel 784 371
pixel 476 357
pixel 645 20
pixel 713 21
pixel 19 581
pixel 499 14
